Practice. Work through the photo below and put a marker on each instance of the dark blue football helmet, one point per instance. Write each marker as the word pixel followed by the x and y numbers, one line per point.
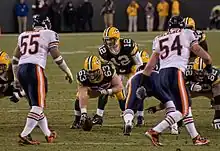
pixel 176 22
pixel 41 21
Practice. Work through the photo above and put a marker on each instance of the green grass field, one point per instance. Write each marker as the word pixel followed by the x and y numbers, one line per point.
pixel 109 137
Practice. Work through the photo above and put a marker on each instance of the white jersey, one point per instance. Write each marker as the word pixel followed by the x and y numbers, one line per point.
pixel 174 48
pixel 35 45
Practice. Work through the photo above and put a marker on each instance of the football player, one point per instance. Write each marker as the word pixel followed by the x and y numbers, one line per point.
pixel 96 79
pixel 190 24
pixel 173 50
pixel 28 65
pixel 7 80
pixel 123 54
pixel 201 84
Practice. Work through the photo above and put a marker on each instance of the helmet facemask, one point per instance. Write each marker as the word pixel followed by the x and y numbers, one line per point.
pixel 112 44
pixel 3 68
pixel 94 76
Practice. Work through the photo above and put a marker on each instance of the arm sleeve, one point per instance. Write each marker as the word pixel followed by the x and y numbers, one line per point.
pixel 192 37
pixel 155 45
pixel 53 39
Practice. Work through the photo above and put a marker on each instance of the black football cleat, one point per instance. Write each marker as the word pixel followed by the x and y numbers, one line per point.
pixel 75 125
pixel 140 121
pixel 97 120
pixel 127 130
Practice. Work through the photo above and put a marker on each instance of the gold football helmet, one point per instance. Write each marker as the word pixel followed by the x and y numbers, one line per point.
pixel 199 64
pixel 144 56
pixel 4 62
pixel 92 65
pixel 111 38
pixel 190 23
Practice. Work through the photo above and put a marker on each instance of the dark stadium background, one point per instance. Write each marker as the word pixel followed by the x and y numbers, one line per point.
pixel 198 9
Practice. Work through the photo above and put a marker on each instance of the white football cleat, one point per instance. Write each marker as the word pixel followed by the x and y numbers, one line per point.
pixel 174 129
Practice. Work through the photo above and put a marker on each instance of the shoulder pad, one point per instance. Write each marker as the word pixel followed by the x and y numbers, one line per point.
pixel 81 77
pixel 103 52
pixel 108 70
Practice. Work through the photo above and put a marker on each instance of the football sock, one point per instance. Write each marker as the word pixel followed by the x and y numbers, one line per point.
pixel 32 120
pixel 170 119
pixel 128 116
pixel 43 124
pixel 102 101
pixel 77 112
pixel 100 112
pixel 217 106
pixel 122 105
pixel 189 124
pixel 140 113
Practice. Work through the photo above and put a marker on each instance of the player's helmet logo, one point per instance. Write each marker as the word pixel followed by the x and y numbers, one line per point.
pixel 41 21
pixel 176 22
pixel 190 23
pixel 92 65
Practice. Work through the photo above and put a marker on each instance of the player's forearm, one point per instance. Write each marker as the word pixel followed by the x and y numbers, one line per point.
pixel 117 88
pixel 199 51
pixel 137 59
pixel 62 65
pixel 15 66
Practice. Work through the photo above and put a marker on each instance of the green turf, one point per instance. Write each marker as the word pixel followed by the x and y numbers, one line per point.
pixel 109 137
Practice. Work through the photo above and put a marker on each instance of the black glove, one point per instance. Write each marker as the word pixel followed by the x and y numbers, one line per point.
pixel 152 110
pixel 208 68
pixel 14 99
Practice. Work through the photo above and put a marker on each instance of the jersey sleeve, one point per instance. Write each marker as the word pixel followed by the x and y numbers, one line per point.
pixel 103 53
pixel 134 48
pixel 81 78
pixel 53 39
pixel 155 45
pixel 191 36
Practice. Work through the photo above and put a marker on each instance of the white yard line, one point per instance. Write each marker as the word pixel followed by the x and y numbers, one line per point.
pixel 74 52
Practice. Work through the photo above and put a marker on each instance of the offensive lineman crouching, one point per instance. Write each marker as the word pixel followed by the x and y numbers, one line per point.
pixel 7 80
pixel 95 80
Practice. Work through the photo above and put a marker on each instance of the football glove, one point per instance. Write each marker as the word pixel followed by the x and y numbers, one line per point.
pixel 208 68
pixel 151 110
pixel 196 87
pixel 141 93
pixel 69 78
pixel 216 123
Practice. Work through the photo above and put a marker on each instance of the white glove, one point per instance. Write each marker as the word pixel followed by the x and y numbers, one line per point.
pixel 196 87
pixel 104 91
pixel 216 123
